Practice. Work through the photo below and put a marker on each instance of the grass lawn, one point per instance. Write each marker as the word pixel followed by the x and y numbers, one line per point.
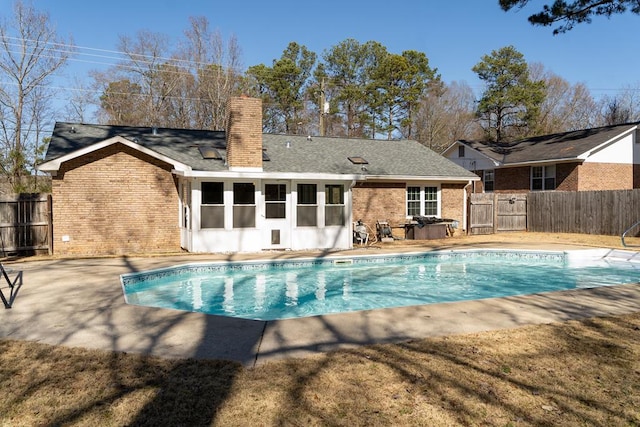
pixel 570 374
pixel 576 373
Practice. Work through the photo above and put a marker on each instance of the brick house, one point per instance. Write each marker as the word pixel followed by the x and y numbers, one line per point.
pixel 604 158
pixel 123 190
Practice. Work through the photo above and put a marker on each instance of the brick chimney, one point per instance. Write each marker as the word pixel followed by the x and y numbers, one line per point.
pixel 244 133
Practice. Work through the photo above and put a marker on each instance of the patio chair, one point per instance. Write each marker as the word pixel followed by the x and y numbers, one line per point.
pixel 360 233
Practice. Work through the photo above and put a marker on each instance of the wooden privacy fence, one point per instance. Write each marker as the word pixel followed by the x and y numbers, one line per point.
pixel 494 212
pixel 587 212
pixel 25 223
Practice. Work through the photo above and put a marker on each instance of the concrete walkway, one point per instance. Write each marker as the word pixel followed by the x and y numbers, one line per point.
pixel 79 302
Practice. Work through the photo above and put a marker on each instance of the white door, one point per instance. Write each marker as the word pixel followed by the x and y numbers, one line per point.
pixel 185 216
pixel 276 226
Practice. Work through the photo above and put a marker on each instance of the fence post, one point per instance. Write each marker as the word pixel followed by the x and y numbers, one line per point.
pixel 50 221
pixel 495 213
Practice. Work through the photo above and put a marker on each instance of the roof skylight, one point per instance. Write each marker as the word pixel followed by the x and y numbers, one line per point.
pixel 209 153
pixel 357 160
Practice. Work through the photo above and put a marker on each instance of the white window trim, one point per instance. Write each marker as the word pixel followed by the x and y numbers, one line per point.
pixel 422 186
pixel 322 202
pixel 319 200
pixel 543 178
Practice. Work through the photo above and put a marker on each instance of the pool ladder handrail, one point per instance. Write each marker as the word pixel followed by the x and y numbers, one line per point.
pixel 625 234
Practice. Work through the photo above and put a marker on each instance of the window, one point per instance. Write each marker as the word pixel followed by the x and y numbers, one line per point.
pixel 413 201
pixel 275 197
pixel 543 177
pixel 430 201
pixel 460 151
pixel 487 180
pixel 422 201
pixel 244 205
pixel 307 210
pixel 334 205
pixel 212 205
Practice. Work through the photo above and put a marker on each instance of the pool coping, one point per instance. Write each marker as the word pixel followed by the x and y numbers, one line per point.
pixel 630 256
pixel 79 303
pixel 362 260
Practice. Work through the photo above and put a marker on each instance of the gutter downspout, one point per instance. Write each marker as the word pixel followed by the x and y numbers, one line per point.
pixel 353 184
pixel 465 202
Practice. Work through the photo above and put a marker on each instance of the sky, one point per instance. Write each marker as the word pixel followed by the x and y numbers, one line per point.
pixel 454 34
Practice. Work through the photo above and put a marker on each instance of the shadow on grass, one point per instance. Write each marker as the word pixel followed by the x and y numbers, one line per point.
pixel 579 373
pixel 192 392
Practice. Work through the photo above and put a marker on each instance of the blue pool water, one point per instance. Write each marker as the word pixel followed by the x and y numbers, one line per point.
pixel 301 288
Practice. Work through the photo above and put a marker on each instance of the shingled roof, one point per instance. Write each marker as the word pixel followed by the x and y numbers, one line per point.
pixel 559 146
pixel 283 153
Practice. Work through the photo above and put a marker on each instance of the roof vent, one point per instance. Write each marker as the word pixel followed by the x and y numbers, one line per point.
pixel 288 144
pixel 308 137
pixel 73 129
pixel 154 131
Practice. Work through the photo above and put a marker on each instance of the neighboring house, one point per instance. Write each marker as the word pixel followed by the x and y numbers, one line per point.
pixel 119 190
pixel 605 158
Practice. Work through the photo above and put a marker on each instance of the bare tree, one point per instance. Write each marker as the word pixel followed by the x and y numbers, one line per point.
pixel 146 54
pixel 187 88
pixel 217 70
pixel 446 114
pixel 614 111
pixel 31 52
pixel 80 102
pixel 627 99
pixel 566 107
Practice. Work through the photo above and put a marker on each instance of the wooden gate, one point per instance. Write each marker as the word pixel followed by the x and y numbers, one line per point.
pixel 495 212
pixel 25 224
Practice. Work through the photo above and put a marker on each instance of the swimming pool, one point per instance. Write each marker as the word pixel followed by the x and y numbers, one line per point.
pixel 270 290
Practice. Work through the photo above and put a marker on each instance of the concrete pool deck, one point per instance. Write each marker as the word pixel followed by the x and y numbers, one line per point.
pixel 79 303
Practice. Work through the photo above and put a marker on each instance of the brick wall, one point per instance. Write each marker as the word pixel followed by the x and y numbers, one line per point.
pixel 567 176
pixel 605 176
pixel 452 196
pixel 380 201
pixel 573 177
pixel 115 201
pixel 512 180
pixel 387 201
pixel 244 132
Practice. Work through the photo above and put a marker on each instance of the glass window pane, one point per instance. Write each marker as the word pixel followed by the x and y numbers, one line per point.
pixel 307 216
pixel 550 171
pixel 488 178
pixel 275 210
pixel 550 184
pixel 275 192
pixel 413 208
pixel 334 215
pixel 334 194
pixel 212 216
pixel 307 194
pixel 244 193
pixel 413 193
pixel 431 193
pixel 536 171
pixel 536 184
pixel 431 208
pixel 244 216
pixel 212 193
pixel 430 201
